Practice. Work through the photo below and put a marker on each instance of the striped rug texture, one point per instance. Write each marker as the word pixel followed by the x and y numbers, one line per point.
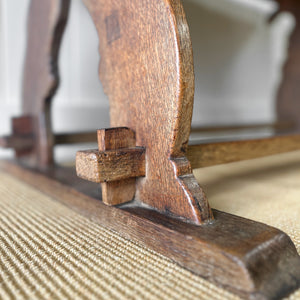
pixel 48 251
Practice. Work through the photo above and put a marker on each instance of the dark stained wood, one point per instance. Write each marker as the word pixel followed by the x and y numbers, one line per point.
pixel 46 23
pixel 110 165
pixel 201 155
pixel 205 155
pixel 288 96
pixel 278 126
pixel 146 69
pixel 248 258
pixel 22 138
pixel 75 138
pixel 4 142
pixel 119 139
pixel 90 137
pixel 17 143
pixel 94 165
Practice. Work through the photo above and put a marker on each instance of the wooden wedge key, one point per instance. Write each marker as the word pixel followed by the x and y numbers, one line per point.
pixel 143 162
pixel 117 163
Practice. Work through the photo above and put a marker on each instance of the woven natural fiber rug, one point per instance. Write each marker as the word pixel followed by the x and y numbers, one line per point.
pixel 48 251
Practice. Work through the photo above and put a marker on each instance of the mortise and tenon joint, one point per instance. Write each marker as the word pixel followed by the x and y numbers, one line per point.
pixel 115 164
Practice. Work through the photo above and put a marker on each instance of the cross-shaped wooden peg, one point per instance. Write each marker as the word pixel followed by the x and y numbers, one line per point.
pixel 115 164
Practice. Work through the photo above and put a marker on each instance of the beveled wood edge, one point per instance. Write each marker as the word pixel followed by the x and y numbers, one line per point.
pixel 195 248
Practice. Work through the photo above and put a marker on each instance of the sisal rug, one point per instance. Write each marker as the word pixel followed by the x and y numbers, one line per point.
pixel 48 251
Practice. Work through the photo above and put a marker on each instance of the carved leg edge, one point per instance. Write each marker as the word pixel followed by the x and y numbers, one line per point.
pixel 177 194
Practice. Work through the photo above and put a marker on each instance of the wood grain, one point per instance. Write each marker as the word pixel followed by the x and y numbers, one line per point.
pixel 122 190
pixel 146 69
pixel 205 155
pixel 46 23
pixel 22 138
pixel 112 165
pixel 248 258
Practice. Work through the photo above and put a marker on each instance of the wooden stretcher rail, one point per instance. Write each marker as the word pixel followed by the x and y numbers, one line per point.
pixel 205 155
pixel 280 126
pixel 21 142
pixel 28 141
pixel 75 138
pixel 200 155
pixel 90 137
pixel 17 143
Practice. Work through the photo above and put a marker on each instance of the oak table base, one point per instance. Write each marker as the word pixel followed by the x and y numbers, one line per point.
pixel 248 258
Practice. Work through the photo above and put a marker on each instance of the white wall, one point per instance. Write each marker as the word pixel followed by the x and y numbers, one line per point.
pixel 12 45
pixel 80 89
pixel 238 57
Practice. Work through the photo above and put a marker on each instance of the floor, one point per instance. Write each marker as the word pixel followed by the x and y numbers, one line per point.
pixel 48 251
